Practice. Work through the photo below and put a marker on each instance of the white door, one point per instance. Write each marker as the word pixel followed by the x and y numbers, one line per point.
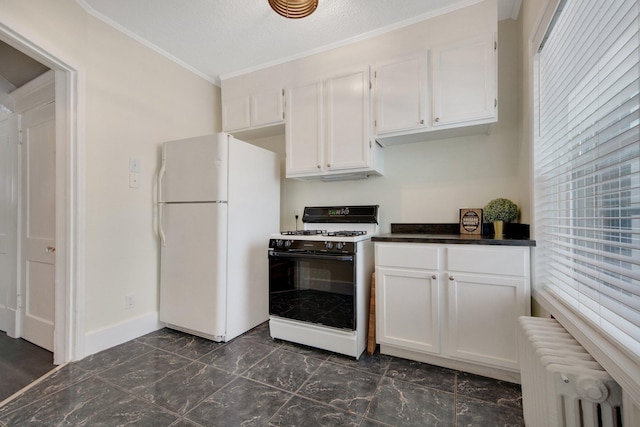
pixel 195 169
pixel 193 267
pixel 38 230
pixel 464 81
pixel 348 120
pixel 401 95
pixel 303 134
pixel 483 318
pixel 8 222
pixel 408 309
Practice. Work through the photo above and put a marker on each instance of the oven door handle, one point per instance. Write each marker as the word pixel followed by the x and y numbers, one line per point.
pixel 308 255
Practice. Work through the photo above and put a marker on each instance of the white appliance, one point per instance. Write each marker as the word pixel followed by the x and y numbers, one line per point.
pixel 219 201
pixel 320 278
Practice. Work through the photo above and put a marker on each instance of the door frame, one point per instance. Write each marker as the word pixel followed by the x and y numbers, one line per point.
pixel 68 340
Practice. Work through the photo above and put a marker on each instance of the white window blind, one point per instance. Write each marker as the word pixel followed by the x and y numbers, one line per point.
pixel 587 165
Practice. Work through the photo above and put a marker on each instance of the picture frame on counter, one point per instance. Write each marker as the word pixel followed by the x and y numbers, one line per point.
pixel 471 221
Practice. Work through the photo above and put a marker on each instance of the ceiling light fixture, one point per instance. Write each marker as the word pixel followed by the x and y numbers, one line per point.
pixel 294 9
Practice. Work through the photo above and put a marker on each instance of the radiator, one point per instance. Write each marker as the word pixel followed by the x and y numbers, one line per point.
pixel 562 385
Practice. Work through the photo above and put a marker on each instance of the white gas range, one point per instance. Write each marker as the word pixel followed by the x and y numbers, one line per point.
pixel 320 277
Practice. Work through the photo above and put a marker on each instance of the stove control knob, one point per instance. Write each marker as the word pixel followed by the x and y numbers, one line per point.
pixel 339 246
pixel 329 245
pixel 287 243
pixel 278 243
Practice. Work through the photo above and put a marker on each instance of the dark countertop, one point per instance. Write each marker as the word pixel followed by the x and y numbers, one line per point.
pixel 515 235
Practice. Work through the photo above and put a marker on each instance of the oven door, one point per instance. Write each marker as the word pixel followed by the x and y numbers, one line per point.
pixel 312 287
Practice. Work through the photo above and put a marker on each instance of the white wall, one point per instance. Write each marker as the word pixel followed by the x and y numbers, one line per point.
pixel 132 99
pixel 430 181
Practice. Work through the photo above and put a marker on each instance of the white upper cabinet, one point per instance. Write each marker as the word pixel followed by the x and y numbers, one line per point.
pixel 253 111
pixel 303 130
pixel 348 120
pixel 401 95
pixel 327 127
pixel 464 82
pixel 449 91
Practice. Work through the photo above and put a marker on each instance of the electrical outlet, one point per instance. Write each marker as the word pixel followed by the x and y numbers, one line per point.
pixel 134 180
pixel 129 302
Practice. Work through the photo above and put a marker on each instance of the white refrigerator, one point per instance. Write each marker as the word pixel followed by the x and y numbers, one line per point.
pixel 219 201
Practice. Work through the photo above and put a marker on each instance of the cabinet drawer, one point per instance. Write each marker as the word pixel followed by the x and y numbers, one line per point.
pixel 490 260
pixel 411 255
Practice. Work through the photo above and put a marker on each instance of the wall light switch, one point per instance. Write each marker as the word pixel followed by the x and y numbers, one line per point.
pixel 134 164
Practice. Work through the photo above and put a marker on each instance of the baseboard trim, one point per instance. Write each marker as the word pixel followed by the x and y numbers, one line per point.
pixel 8 321
pixel 111 336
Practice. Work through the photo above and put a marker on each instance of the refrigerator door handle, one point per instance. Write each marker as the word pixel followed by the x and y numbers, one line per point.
pixel 163 169
pixel 163 237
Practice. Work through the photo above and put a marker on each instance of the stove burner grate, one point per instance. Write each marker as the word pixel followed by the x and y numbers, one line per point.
pixel 346 233
pixel 342 233
pixel 303 232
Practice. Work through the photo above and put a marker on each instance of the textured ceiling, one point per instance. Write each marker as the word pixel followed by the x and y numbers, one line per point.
pixel 223 37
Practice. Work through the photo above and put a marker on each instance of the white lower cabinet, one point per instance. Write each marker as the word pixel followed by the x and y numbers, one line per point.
pixel 452 305
pixel 409 308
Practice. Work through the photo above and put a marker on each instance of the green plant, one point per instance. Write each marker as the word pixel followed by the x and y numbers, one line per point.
pixel 500 210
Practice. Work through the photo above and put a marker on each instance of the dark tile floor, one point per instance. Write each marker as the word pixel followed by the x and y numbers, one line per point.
pixel 168 378
pixel 20 364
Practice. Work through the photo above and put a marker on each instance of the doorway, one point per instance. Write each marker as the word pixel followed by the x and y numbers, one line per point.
pixel 67 316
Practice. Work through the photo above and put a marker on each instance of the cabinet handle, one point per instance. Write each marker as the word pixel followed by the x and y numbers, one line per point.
pixel 452 278
pixel 328 165
pixel 437 119
pixel 434 277
pixel 318 166
pixel 422 121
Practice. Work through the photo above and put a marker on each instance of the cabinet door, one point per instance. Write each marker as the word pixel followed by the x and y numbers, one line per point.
pixel 464 81
pixel 483 318
pixel 401 95
pixel 266 108
pixel 304 130
pixel 408 309
pixel 348 120
pixel 236 113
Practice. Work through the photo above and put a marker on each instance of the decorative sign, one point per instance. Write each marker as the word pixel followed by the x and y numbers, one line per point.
pixel 470 221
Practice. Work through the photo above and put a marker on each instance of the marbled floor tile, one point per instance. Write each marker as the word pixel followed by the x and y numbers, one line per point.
pixel 144 372
pixel 303 412
pixel 490 390
pixel 376 363
pixel 262 334
pixel 371 423
pixel 340 386
pixel 422 374
pixel 191 346
pixel 475 413
pixel 318 353
pixel 238 355
pixel 284 369
pixel 59 380
pixel 111 357
pixel 160 337
pixel 404 404
pixel 183 389
pixel 242 403
pixel 89 403
pixel 182 422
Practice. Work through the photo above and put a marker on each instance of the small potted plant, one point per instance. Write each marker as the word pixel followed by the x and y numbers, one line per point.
pixel 499 211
